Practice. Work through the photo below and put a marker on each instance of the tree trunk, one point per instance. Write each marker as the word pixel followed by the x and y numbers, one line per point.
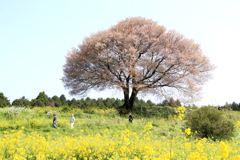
pixel 128 102
pixel 125 107
pixel 132 99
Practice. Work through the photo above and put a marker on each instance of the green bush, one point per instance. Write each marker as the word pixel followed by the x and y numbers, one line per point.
pixel 208 122
pixel 154 111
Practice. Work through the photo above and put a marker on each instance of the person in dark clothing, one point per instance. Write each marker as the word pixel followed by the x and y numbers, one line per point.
pixel 130 118
pixel 54 124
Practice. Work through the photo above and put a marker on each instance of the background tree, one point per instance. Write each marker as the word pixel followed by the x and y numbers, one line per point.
pixel 165 103
pixel 51 103
pixel 3 101
pixel 234 106
pixel 63 100
pixel 88 102
pixel 25 101
pixel 117 103
pixel 57 101
pixel 41 100
pixel 172 102
pixel 137 55
pixel 178 103
pixel 150 103
pixel 227 106
pixel 21 102
pixel 72 102
pixel 37 103
pixel 100 103
pixel 109 102
pixel 17 102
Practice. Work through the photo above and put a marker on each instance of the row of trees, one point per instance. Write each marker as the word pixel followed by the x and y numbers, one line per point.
pixel 232 106
pixel 43 100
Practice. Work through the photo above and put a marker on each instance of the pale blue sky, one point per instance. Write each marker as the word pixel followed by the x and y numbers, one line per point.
pixel 36 35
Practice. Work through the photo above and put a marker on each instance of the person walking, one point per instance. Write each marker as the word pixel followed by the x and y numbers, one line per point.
pixel 130 118
pixel 72 120
pixel 55 120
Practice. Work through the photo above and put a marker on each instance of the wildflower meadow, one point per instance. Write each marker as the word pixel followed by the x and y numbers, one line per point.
pixel 26 134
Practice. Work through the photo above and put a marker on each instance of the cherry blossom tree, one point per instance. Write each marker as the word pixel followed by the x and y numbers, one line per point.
pixel 137 55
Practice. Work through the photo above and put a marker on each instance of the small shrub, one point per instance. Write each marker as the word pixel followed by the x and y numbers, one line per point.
pixel 157 111
pixel 90 110
pixel 66 109
pixel 208 122
pixel 11 112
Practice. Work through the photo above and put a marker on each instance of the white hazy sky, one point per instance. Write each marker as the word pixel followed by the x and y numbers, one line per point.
pixel 35 37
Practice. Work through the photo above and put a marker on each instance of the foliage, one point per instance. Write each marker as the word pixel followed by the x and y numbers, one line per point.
pixel 57 101
pixel 208 122
pixel 43 98
pixel 37 103
pixel 154 111
pixel 21 102
pixel 171 102
pixel 3 101
pixel 72 102
pixel 231 106
pixel 63 99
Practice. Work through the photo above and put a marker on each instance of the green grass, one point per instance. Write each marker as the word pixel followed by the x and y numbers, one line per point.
pixel 91 121
pixel 88 122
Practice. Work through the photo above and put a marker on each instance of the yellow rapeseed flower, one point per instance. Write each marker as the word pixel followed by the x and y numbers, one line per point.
pixel 188 131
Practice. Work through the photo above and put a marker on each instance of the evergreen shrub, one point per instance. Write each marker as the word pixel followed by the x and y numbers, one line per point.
pixel 209 122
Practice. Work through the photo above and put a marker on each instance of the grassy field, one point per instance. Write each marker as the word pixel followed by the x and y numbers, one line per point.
pixel 104 134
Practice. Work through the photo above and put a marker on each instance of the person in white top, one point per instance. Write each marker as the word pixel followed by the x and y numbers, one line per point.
pixel 72 120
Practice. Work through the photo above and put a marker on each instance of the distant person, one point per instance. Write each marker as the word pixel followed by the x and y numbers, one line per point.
pixel 54 125
pixel 72 120
pixel 130 118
